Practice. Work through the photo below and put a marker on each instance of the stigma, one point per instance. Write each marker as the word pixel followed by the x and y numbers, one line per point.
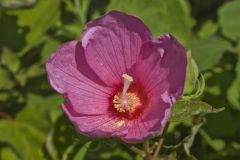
pixel 126 101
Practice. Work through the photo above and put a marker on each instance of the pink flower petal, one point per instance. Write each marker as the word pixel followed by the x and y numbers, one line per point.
pixel 150 123
pixel 161 67
pixel 112 44
pixel 96 125
pixel 85 95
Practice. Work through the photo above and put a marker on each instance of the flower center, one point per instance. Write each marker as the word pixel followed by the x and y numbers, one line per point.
pixel 126 101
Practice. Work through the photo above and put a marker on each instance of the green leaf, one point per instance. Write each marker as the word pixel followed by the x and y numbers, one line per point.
pixel 25 139
pixel 161 16
pixel 5 79
pixel 73 29
pixel 37 20
pixel 208 29
pixel 6 153
pixel 50 46
pixel 43 107
pixel 82 152
pixel 192 75
pixel 233 93
pixel 216 144
pixel 34 71
pixel 229 19
pixel 64 136
pixel 208 51
pixel 50 146
pixel 184 110
pixel 10 60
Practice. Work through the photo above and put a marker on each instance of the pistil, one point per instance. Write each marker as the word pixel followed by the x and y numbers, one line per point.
pixel 124 101
pixel 127 82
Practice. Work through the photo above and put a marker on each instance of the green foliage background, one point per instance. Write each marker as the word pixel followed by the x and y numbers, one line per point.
pixel 32 125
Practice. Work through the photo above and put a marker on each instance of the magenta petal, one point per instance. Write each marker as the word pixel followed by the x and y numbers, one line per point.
pixel 150 123
pixel 86 96
pixel 96 125
pixel 162 67
pixel 112 44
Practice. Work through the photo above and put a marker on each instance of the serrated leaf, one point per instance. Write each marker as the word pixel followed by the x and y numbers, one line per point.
pixel 208 51
pixel 161 16
pixel 229 19
pixel 184 110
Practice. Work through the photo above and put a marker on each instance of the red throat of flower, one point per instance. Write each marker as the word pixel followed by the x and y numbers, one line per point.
pixel 129 102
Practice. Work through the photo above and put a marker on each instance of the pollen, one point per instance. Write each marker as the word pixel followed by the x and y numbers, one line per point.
pixel 125 103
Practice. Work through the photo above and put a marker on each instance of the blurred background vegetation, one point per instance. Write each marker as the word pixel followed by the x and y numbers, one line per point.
pixel 32 125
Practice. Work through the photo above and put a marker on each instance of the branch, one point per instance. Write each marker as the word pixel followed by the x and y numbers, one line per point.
pixel 160 142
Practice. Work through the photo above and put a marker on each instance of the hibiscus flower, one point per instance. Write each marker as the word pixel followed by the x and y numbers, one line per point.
pixel 117 81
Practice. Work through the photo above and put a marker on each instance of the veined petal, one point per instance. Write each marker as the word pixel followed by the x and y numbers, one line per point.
pixel 162 67
pixel 96 125
pixel 85 95
pixel 112 44
pixel 150 124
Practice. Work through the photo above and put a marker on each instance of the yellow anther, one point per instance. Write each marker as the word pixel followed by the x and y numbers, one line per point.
pixel 129 101
pixel 125 100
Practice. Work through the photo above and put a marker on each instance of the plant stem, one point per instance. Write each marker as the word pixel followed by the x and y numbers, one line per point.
pixel 160 142
pixel 136 150
pixel 146 148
